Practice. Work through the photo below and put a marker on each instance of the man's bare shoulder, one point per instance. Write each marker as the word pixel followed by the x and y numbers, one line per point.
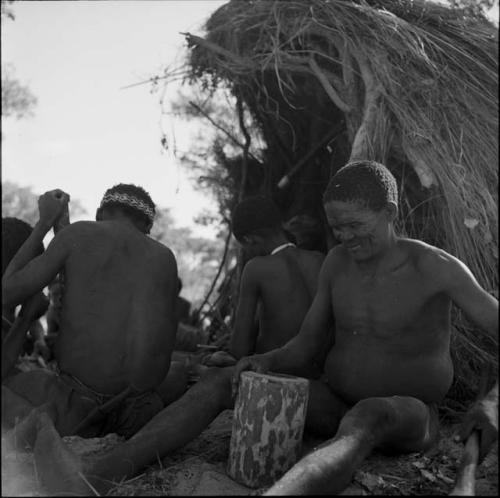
pixel 163 250
pixel 431 261
pixel 336 258
pixel 313 256
pixel 76 231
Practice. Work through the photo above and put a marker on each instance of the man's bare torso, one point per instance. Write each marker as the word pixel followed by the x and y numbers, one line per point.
pixel 392 330
pixel 119 295
pixel 288 285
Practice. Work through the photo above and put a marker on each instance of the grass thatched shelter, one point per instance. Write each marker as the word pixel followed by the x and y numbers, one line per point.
pixel 412 84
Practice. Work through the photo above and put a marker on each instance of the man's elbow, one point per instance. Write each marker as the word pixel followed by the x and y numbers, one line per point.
pixel 238 351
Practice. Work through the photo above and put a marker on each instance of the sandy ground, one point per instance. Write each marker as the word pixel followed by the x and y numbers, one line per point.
pixel 199 469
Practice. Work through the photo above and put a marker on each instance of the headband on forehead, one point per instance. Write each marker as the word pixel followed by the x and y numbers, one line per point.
pixel 131 201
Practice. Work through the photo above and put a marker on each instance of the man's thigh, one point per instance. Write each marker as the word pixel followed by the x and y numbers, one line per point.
pixel 39 387
pixel 414 425
pixel 324 409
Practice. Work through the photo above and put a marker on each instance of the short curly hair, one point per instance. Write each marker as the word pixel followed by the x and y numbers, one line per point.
pixel 367 182
pixel 135 213
pixel 255 214
pixel 14 233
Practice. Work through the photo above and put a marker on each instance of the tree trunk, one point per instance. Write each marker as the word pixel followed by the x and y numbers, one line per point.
pixel 268 424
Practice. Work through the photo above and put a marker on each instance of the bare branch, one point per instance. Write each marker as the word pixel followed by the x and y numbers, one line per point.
pixel 332 93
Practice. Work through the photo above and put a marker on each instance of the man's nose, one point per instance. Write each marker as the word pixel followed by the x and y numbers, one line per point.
pixel 346 235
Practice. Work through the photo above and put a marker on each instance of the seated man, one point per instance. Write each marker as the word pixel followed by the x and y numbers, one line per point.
pixel 117 323
pixel 14 233
pixel 283 279
pixel 277 286
pixel 390 364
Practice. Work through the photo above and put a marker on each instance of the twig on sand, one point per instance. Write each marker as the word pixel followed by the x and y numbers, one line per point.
pixel 88 484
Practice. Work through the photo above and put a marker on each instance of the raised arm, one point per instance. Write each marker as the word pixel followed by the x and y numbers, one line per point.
pixel 244 335
pixel 27 274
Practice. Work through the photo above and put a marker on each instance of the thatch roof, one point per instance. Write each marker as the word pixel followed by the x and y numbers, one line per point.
pixel 412 84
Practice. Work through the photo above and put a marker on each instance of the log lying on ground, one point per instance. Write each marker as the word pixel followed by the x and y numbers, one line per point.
pixel 268 424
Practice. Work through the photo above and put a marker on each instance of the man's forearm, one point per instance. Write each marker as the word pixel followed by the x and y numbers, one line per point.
pixel 27 251
pixel 290 359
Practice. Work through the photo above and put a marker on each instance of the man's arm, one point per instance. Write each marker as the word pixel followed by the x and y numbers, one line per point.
pixel 300 351
pixel 13 343
pixel 482 310
pixel 244 335
pixel 480 307
pixel 27 274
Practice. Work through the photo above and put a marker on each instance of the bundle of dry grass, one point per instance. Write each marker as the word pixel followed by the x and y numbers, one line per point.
pixel 412 84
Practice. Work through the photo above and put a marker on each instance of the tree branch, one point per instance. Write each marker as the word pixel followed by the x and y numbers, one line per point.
pixel 332 93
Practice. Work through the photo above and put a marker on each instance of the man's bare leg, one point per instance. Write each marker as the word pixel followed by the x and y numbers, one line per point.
pixel 324 410
pixel 397 423
pixel 174 384
pixel 23 435
pixel 59 469
pixel 169 430
pixel 14 407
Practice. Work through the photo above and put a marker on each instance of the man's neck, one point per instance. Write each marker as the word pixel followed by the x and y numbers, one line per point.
pixel 275 242
pixel 381 261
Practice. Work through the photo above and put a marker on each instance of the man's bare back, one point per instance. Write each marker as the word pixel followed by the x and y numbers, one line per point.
pixel 278 283
pixel 115 328
pixel 118 322
pixel 287 285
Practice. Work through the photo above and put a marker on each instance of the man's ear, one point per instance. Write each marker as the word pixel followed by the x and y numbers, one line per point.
pixel 392 210
pixel 98 214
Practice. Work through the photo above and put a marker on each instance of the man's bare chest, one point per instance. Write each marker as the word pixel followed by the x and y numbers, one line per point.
pixel 381 305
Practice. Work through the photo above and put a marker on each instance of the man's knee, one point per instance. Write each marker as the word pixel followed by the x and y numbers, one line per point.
pixel 371 414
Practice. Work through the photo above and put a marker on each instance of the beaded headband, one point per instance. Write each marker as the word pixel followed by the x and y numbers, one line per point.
pixel 132 201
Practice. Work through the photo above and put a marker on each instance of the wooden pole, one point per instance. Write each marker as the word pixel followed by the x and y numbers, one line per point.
pixel 268 424
pixel 466 474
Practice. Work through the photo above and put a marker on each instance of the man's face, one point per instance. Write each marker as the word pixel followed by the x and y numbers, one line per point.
pixel 363 232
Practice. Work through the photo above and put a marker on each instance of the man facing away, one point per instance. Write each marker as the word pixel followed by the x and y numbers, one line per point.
pixel 278 281
pixel 386 300
pixel 277 286
pixel 117 322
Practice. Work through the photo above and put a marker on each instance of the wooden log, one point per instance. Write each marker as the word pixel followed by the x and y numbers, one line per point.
pixel 268 425
pixel 465 482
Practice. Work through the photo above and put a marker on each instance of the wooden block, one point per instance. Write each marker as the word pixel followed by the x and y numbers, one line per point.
pixel 268 425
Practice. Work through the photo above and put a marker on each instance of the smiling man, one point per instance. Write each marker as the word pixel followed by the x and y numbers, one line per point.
pixel 386 300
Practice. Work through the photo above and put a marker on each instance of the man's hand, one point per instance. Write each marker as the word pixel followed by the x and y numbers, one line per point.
pixel 260 363
pixel 483 417
pixel 51 206
pixel 41 349
pixel 220 359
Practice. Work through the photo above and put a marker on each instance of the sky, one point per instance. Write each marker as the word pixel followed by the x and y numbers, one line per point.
pixel 88 133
